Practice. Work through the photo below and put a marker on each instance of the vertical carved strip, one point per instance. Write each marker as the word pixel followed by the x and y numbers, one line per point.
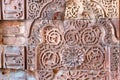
pixel 114 60
pixel 1 51
pixel 32 8
pixel 0 10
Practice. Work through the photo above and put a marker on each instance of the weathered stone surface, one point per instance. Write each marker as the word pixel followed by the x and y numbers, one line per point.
pixel 45 9
pixel 90 9
pixel 13 9
pixel 14 57
pixel 61 40
pixel 13 32
pixel 7 74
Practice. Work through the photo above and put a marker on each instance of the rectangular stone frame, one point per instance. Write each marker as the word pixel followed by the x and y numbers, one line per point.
pixel 12 13
pixel 16 57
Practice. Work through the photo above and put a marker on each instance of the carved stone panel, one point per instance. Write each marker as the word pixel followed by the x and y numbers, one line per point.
pixel 60 40
pixel 115 62
pixel 48 32
pixel 14 57
pixel 90 9
pixel 13 32
pixel 33 8
pixel 84 49
pixel 45 9
pixel 13 9
pixel 7 74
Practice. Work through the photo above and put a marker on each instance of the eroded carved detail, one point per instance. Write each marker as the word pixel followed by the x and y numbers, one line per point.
pixel 14 57
pixel 115 62
pixel 91 9
pixel 47 58
pixel 12 9
pixel 81 75
pixel 45 75
pixel 72 56
pixel 72 37
pixel 95 57
pixel 53 37
pixel 33 9
pixel 45 9
pixel 47 32
pixel 82 48
pixel 12 74
pixel 90 36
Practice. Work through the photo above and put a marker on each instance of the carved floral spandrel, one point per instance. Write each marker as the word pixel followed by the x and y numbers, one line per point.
pixel 90 9
pixel 45 9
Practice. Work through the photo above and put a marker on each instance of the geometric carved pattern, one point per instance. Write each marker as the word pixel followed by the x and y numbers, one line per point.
pixel 45 9
pixel 60 40
pixel 115 62
pixel 47 58
pixel 72 56
pixel 33 8
pixel 53 37
pixel 49 9
pixel 95 57
pixel 45 75
pixel 71 9
pixel 115 55
pixel 71 37
pixel 80 75
pixel 81 49
pixel 90 36
pixel 86 9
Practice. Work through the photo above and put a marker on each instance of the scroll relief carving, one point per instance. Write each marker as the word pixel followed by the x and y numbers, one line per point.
pixel 115 62
pixel 46 34
pixel 91 9
pixel 45 9
pixel 66 40
pixel 79 45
